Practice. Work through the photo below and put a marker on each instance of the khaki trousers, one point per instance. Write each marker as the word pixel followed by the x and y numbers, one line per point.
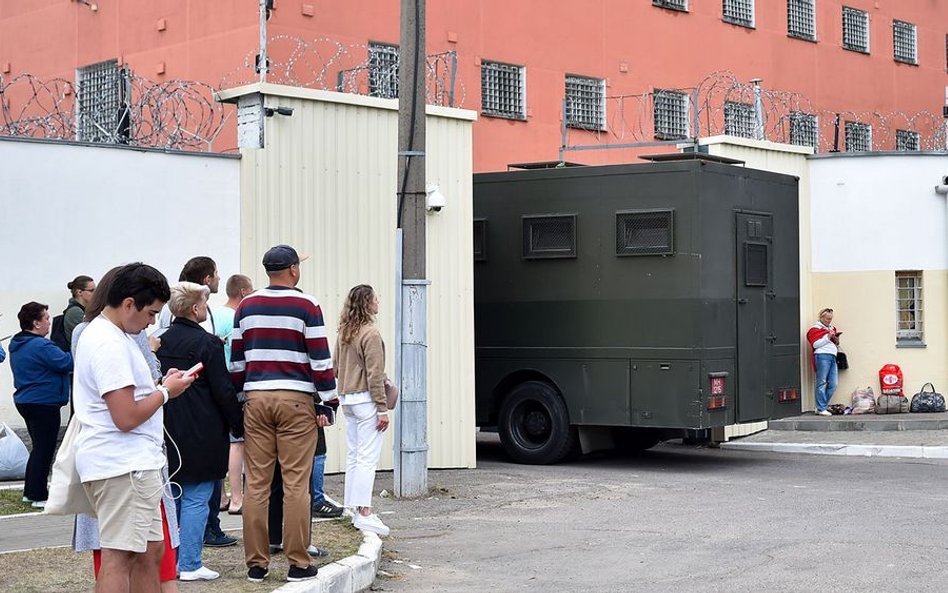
pixel 278 425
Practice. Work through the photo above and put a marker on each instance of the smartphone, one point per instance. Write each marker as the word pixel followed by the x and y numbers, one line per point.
pixel 322 410
pixel 193 371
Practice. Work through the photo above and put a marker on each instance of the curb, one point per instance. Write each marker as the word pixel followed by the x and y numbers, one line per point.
pixel 905 451
pixel 348 575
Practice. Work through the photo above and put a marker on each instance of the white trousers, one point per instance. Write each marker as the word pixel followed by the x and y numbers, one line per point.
pixel 365 447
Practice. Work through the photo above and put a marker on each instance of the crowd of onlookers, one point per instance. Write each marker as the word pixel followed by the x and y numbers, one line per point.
pixel 165 415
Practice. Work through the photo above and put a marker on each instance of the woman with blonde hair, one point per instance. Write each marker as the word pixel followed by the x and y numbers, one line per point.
pixel 360 377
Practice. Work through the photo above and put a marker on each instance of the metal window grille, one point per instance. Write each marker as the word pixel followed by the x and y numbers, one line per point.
pixel 645 232
pixel 502 90
pixel 756 269
pixel 855 30
pixel 858 137
pixel 102 92
pixel 905 42
pixel 549 236
pixel 739 119
pixel 801 19
pixel 670 114
pixel 585 103
pixel 804 130
pixel 383 70
pixel 909 306
pixel 739 12
pixel 673 4
pixel 480 239
pixel 906 140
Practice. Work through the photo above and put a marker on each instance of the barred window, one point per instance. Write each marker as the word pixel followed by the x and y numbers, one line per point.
pixel 102 93
pixel 673 4
pixel 906 140
pixel 739 12
pixel 503 90
pixel 739 119
pixel 858 137
pixel 585 102
pixel 549 236
pixel 383 70
pixel 855 30
pixel 670 114
pixel 909 307
pixel 804 130
pixel 801 19
pixel 905 42
pixel 645 232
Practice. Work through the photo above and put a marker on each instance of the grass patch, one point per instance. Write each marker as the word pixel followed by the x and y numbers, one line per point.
pixel 60 570
pixel 11 503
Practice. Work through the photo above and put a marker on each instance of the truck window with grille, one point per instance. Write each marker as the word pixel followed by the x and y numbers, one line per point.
pixel 755 264
pixel 645 232
pixel 549 236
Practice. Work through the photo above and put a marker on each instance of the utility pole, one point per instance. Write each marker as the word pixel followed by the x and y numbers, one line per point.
pixel 263 63
pixel 411 432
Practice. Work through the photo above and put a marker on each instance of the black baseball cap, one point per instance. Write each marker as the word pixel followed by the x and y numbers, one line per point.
pixel 281 257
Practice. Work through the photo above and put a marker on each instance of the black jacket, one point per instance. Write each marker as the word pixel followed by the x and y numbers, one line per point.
pixel 198 420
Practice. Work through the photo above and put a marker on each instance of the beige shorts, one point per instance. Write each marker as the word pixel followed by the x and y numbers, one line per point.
pixel 128 508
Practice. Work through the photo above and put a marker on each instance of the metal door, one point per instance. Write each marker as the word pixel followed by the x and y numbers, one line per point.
pixel 755 295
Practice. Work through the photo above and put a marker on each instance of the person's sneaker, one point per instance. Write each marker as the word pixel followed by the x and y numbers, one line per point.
pixel 370 523
pixel 256 574
pixel 296 574
pixel 315 552
pixel 326 510
pixel 202 574
pixel 39 504
pixel 219 541
pixel 27 499
pixel 824 413
pixel 276 548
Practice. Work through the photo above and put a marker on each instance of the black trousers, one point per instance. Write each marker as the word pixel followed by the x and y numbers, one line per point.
pixel 275 512
pixel 42 422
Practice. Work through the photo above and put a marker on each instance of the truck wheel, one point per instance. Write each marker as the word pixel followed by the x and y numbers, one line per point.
pixel 534 424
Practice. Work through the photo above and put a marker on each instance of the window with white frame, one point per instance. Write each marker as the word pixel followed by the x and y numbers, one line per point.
pixel 383 70
pixel 585 102
pixel 858 137
pixel 503 90
pixel 905 42
pixel 907 140
pixel 673 4
pixel 855 30
pixel 739 119
pixel 670 114
pixel 102 113
pixel 804 130
pixel 909 307
pixel 739 12
pixel 801 19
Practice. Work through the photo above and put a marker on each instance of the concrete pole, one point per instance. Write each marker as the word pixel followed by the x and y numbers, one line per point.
pixel 262 57
pixel 758 111
pixel 411 447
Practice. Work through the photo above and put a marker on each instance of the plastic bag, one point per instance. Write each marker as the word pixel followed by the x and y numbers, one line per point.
pixel 864 401
pixel 13 454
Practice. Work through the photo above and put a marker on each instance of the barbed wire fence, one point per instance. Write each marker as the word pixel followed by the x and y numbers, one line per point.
pixel 722 104
pixel 176 114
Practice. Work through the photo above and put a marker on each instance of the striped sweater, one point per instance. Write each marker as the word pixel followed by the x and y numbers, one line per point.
pixel 279 342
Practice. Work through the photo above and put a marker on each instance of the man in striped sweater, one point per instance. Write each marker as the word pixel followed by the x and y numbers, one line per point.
pixel 280 359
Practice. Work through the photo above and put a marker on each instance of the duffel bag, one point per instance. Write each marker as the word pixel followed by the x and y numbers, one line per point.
pixel 891 404
pixel 928 401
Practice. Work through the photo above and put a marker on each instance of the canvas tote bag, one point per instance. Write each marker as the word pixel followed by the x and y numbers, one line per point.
pixel 66 494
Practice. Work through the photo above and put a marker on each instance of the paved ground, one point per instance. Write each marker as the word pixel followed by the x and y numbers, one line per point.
pixel 674 519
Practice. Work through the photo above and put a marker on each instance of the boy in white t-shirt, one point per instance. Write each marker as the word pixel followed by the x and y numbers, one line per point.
pixel 119 446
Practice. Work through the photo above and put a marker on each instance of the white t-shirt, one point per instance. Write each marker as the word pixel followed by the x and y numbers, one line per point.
pixel 107 359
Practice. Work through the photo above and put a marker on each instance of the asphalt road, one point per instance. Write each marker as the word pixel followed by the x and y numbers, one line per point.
pixel 674 519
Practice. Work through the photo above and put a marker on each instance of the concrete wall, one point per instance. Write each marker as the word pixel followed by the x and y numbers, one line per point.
pixel 872 216
pixel 71 209
pixel 325 182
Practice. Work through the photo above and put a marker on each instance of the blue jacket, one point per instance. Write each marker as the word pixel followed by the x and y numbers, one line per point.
pixel 41 371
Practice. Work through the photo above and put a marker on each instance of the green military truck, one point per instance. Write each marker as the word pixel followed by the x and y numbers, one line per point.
pixel 625 305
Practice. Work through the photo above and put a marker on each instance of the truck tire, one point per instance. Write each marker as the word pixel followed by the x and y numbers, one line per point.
pixel 534 424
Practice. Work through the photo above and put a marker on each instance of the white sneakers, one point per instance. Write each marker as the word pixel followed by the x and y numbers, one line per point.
pixel 370 523
pixel 823 413
pixel 201 574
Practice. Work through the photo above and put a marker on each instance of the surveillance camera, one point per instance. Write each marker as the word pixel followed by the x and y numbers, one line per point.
pixel 434 199
pixel 944 180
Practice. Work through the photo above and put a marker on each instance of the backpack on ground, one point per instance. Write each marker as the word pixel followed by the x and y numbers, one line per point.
pixel 928 401
pixel 864 402
pixel 891 404
pixel 58 333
